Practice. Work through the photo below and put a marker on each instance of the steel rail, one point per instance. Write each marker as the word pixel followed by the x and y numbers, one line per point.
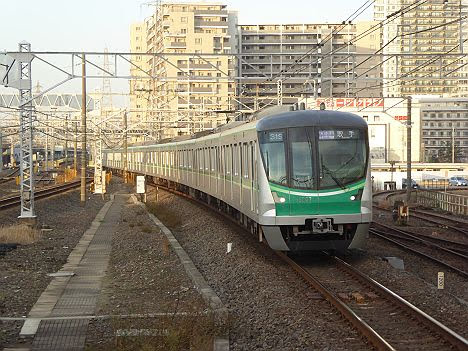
pixel 418 252
pixel 39 194
pixel 424 239
pixel 438 215
pixel 446 333
pixel 413 213
pixel 357 322
pixel 367 331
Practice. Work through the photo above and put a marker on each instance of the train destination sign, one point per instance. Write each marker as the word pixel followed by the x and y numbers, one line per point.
pixel 338 134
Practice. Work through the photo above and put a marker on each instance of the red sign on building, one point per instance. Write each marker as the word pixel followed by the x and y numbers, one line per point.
pixel 350 102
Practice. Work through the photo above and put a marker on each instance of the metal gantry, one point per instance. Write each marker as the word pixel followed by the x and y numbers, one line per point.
pixel 26 132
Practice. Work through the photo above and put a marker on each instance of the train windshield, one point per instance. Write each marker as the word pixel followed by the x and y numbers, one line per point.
pixel 342 155
pixel 316 158
pixel 273 149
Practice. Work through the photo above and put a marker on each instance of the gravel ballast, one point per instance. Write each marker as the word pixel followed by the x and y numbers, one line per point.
pixel 270 307
pixel 23 271
pixel 146 290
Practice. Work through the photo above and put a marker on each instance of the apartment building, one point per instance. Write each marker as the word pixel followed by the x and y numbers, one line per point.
pixel 310 59
pixel 138 115
pixel 420 28
pixel 191 42
pixel 444 122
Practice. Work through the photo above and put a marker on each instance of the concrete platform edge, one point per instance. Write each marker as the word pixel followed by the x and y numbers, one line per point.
pixel 221 342
pixel 50 296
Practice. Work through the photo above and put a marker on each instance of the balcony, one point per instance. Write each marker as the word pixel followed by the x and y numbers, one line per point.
pixel 201 90
pixel 178 45
pixel 220 13
pixel 201 23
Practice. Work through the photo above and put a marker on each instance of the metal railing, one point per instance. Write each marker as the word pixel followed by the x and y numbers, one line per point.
pixel 456 204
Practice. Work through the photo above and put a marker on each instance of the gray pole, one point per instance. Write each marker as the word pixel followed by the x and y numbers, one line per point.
pixel 75 148
pixel 66 140
pixel 26 133
pixel 1 151
pixel 453 143
pixel 83 130
pixel 408 152
pixel 47 144
pixel 125 165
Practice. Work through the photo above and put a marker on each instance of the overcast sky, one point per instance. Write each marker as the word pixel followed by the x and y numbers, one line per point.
pixel 92 25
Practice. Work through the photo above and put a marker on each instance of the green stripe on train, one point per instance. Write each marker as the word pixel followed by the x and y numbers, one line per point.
pixel 324 202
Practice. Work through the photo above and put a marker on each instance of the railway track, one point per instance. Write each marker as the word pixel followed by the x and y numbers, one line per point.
pixel 452 258
pixel 442 221
pixel 385 319
pixel 382 317
pixel 10 176
pixel 15 200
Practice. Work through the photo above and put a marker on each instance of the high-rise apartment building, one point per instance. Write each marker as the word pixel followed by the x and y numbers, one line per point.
pixel 310 60
pixel 429 32
pixel 139 87
pixel 191 42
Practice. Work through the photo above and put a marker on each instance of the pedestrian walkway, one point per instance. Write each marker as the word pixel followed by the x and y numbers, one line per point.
pixel 58 320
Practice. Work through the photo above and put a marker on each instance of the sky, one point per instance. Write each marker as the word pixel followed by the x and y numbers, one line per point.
pixel 92 25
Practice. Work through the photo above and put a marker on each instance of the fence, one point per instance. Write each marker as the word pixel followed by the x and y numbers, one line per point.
pixel 456 204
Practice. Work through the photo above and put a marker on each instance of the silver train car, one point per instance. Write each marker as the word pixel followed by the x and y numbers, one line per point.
pixel 299 179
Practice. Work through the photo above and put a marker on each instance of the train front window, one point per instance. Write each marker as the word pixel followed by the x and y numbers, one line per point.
pixel 302 172
pixel 342 155
pixel 272 146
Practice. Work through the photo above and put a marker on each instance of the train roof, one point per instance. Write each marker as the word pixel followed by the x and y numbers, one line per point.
pixel 311 118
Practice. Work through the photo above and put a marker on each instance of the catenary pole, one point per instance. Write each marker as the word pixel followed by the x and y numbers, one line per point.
pixel 83 131
pixel 125 165
pixel 408 152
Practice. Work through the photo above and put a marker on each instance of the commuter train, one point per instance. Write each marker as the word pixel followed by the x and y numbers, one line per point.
pixel 300 179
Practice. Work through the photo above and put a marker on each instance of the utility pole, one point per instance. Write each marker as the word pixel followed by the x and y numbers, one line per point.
pixel 52 153
pixel 75 149
pixel 83 130
pixel 408 152
pixel 125 144
pixel 66 140
pixel 453 143
pixel 1 151
pixel 47 144
pixel 12 153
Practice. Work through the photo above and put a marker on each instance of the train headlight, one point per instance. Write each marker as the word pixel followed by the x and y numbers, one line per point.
pixel 278 199
pixel 352 198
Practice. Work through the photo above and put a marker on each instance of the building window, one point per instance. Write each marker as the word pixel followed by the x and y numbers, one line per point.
pixel 183 19
pixel 198 41
pixel 376 118
pixel 183 31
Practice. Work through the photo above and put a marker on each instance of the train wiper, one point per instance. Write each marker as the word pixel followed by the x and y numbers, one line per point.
pixel 332 175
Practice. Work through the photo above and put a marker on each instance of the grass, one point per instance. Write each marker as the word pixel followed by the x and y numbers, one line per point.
pixel 146 229
pixel 164 214
pixel 19 234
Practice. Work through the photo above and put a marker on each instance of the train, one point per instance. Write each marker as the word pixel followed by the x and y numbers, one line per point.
pixel 299 179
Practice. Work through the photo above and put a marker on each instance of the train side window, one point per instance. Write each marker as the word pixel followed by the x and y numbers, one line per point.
pixel 201 160
pixel 235 160
pixel 245 159
pixel 228 160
